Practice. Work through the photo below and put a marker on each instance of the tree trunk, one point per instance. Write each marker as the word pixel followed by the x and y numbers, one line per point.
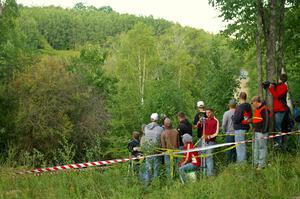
pixel 259 36
pixel 280 61
pixel 140 72
pixel 271 52
pixel 143 79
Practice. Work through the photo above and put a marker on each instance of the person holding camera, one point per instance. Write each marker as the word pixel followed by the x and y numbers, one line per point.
pixel 199 118
pixel 279 93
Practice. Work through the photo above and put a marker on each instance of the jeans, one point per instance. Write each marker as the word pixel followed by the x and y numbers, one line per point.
pixel 231 154
pixel 150 169
pixel 208 161
pixel 167 165
pixel 278 126
pixel 239 136
pixel 184 169
pixel 260 149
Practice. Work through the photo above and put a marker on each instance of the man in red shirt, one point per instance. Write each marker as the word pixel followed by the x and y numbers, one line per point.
pixel 210 131
pixel 279 93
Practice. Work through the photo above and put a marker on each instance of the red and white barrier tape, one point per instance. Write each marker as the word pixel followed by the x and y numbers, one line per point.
pixel 108 162
pixel 84 165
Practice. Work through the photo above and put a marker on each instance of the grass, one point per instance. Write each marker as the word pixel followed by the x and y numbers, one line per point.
pixel 281 179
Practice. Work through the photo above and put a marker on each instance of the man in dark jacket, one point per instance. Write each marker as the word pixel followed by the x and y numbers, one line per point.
pixel 241 120
pixel 260 126
pixel 199 118
pixel 184 127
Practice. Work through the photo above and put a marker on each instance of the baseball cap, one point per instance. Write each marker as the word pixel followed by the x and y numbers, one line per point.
pixel 200 104
pixel 154 117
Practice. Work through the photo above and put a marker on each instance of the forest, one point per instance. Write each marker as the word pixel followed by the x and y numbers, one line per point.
pixel 75 82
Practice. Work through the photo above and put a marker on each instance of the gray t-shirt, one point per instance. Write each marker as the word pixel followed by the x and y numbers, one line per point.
pixel 152 136
pixel 227 123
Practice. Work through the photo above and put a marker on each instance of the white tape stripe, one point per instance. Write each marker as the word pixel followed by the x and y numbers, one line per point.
pixel 227 144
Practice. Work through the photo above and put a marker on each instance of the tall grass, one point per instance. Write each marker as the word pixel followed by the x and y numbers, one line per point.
pixel 281 179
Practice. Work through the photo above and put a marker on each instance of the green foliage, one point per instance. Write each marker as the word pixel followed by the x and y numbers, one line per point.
pixel 13 52
pixel 90 65
pixel 163 75
pixel 53 107
pixel 221 74
pixel 70 29
pixel 66 153
pixel 292 41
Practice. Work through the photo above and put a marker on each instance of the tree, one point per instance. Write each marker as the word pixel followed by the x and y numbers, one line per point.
pixel 269 20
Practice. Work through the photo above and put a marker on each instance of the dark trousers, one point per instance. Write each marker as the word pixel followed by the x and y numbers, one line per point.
pixel 230 154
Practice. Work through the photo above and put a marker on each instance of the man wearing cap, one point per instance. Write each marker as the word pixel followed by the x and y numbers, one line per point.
pixel 227 126
pixel 169 140
pixel 199 118
pixel 151 142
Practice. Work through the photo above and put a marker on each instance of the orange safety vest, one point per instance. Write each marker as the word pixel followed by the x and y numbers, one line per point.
pixel 257 118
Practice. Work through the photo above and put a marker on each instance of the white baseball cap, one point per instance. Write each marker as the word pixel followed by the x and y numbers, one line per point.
pixel 200 104
pixel 154 117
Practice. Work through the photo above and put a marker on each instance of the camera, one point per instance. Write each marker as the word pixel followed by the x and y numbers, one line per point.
pixel 267 84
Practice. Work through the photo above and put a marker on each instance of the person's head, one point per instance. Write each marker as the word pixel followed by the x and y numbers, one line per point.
pixel 154 117
pixel 200 106
pixel 232 104
pixel 187 138
pixel 180 116
pixel 209 112
pixel 243 96
pixel 163 119
pixel 135 135
pixel 283 78
pixel 167 123
pixel 256 101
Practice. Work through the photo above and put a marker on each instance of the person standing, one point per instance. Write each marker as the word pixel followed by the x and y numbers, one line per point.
pixel 260 127
pixel 241 120
pixel 151 143
pixel 199 118
pixel 227 126
pixel 134 148
pixel 169 140
pixel 280 108
pixel 184 127
pixel 210 131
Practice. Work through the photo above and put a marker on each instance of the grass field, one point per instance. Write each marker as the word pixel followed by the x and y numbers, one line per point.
pixel 281 179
